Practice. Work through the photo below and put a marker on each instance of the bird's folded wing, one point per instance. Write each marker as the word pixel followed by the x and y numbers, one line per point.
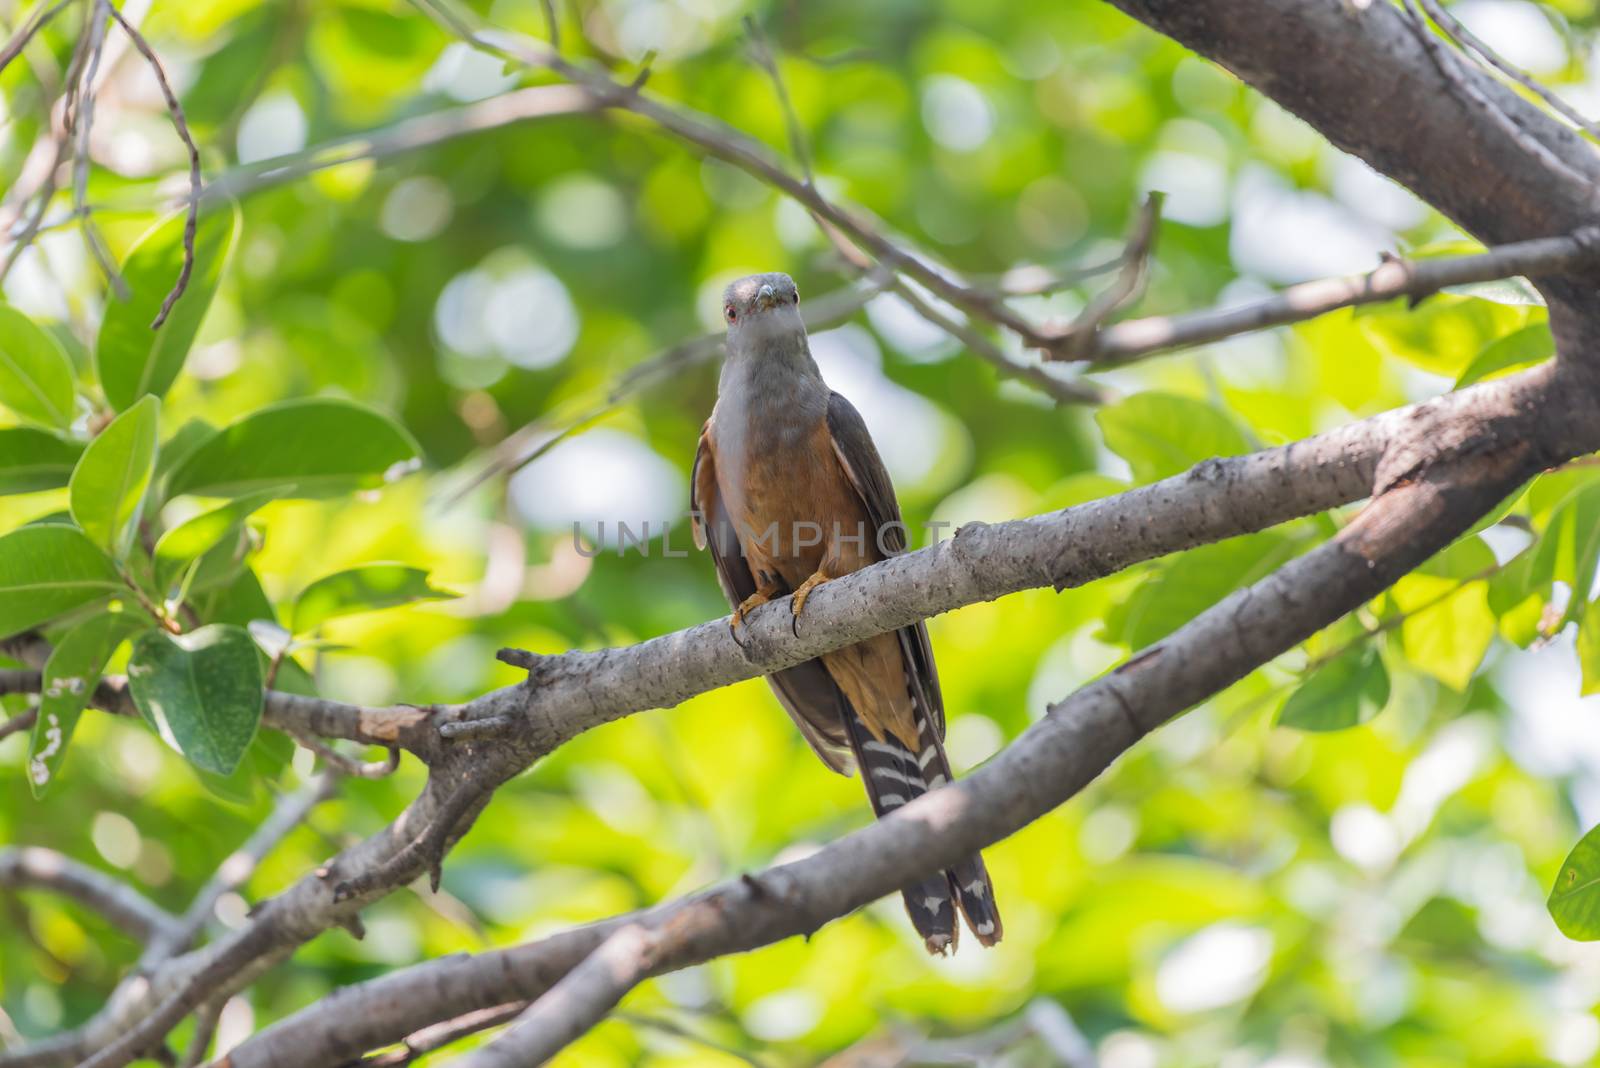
pixel 853 446
pixel 806 691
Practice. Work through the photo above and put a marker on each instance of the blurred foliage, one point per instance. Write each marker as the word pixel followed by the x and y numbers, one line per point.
pixel 1346 872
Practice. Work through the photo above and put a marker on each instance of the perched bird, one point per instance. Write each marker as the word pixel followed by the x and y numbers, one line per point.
pixel 789 492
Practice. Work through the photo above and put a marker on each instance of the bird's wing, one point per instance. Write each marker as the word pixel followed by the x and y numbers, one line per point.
pixel 864 467
pixel 806 691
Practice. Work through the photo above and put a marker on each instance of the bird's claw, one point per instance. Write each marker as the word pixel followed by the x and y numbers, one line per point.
pixel 797 604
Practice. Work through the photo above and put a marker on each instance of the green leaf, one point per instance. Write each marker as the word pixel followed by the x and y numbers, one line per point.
pixel 110 482
pixel 70 677
pixel 1339 692
pixel 1519 348
pixel 194 538
pixel 32 460
pixel 319 448
pixel 361 589
pixel 1575 900
pixel 48 570
pixel 201 691
pixel 1162 434
pixel 1187 585
pixel 35 374
pixel 134 360
pixel 1589 648
pixel 1448 628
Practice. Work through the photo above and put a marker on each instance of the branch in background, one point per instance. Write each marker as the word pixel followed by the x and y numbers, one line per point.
pixel 1124 289
pixel 28 30
pixel 23 721
pixel 570 1008
pixel 1444 61
pixel 1061 390
pixel 407 135
pixel 721 141
pixel 32 867
pixel 63 139
pixel 1416 280
pixel 1467 40
pixel 99 13
pixel 438 1036
pixel 181 125
pixel 290 811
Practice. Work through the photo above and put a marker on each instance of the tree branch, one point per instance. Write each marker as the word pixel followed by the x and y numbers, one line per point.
pixel 1415 279
pixel 33 867
pixel 1419 510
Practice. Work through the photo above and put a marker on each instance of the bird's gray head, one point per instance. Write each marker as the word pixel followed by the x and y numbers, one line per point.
pixel 762 311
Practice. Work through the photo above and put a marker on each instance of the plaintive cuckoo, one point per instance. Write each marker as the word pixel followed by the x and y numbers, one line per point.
pixel 789 492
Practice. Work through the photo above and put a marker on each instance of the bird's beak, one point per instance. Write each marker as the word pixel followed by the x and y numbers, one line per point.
pixel 766 297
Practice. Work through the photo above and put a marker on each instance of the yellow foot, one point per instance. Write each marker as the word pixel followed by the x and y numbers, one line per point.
pixel 768 590
pixel 798 604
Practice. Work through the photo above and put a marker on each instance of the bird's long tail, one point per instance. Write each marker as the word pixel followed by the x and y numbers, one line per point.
pixel 894 775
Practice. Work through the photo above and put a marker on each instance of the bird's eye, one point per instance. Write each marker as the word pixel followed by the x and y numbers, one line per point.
pixel 730 313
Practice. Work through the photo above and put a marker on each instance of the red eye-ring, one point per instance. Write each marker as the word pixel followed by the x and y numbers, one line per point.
pixel 729 312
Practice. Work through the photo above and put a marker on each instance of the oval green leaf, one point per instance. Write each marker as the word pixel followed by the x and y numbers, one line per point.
pixel 70 676
pixel 194 538
pixel 315 448
pixel 35 374
pixel 134 360
pixel 202 692
pixel 1163 434
pixel 109 485
pixel 32 460
pixel 1575 900
pixel 361 589
pixel 49 570
pixel 1345 691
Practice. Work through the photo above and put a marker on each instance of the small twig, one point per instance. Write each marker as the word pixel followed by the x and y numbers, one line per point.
pixel 1416 279
pixel 1124 289
pixel 428 847
pixel 762 53
pixel 421 1043
pixel 552 23
pixel 1468 40
pixel 205 1029
pixel 23 721
pixel 1063 391
pixel 677 1030
pixel 29 29
pixel 1446 65
pixel 63 142
pixel 240 865
pixel 80 168
pixel 343 763
pixel 181 125
pixel 578 1001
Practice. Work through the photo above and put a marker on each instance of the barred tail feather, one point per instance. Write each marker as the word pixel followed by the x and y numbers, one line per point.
pixel 893 776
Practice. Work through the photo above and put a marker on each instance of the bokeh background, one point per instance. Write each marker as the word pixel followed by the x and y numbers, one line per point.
pixel 1233 892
